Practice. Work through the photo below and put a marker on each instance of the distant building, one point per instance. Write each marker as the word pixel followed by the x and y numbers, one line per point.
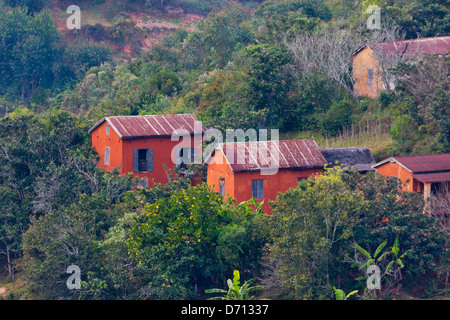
pixel 294 160
pixel 142 145
pixel 426 174
pixel 359 158
pixel 372 59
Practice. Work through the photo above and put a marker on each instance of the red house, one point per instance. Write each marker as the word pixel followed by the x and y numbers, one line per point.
pixel 142 145
pixel 426 174
pixel 266 168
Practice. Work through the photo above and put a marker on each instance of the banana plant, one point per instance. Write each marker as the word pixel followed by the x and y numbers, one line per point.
pixel 235 291
pixel 393 267
pixel 340 294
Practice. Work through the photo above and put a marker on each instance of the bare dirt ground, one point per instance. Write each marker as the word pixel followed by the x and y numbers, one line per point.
pixel 157 23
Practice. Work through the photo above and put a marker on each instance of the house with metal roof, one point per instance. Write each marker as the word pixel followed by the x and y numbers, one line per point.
pixel 262 169
pixel 144 145
pixel 359 158
pixel 426 174
pixel 372 60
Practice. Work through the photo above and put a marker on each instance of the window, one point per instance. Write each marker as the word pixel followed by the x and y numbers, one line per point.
pixel 142 160
pixel 107 129
pixel 107 156
pixel 435 189
pixel 301 178
pixel 184 156
pixel 369 77
pixel 257 189
pixel 222 186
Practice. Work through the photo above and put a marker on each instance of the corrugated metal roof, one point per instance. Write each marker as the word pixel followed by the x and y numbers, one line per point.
pixel 133 127
pixel 421 163
pixel 411 48
pixel 283 154
pixel 433 177
pixel 436 45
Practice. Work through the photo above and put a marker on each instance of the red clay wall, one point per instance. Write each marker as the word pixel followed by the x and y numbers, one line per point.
pixel 162 148
pixel 396 170
pixel 239 184
pixel 121 153
pixel 273 184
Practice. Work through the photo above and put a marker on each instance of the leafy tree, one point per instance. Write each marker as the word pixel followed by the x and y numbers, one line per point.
pixel 187 225
pixel 218 36
pixel 28 50
pixel 392 213
pixel 309 227
pixel 33 6
pixel 59 239
pixel 313 224
pixel 269 82
pixel 422 110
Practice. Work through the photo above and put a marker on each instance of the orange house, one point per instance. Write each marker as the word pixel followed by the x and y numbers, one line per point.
pixel 143 145
pixel 371 60
pixel 262 169
pixel 426 174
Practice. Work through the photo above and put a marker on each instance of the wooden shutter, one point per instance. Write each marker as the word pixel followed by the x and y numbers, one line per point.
pixel 107 156
pixel 136 160
pixel 149 160
pixel 178 152
pixel 192 154
pixel 222 186
pixel 369 76
pixel 257 189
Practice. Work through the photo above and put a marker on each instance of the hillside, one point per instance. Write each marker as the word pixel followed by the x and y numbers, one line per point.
pixel 233 65
pixel 98 22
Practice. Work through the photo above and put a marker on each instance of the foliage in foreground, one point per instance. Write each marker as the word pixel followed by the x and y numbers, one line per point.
pixel 314 225
pixel 235 290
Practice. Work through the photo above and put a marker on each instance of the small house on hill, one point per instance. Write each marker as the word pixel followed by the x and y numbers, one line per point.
pixel 359 158
pixel 142 145
pixel 262 169
pixel 426 174
pixel 372 60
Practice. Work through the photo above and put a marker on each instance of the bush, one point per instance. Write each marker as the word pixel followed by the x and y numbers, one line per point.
pixel 337 117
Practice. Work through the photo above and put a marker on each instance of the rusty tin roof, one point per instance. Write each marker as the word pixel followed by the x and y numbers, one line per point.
pixel 411 47
pixel 134 127
pixel 283 154
pixel 430 163
pixel 433 177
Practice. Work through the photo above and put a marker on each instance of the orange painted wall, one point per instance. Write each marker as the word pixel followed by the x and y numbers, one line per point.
pixel 122 153
pixel 396 170
pixel 217 171
pixel 362 61
pixel 239 184
pixel 273 184
pixel 100 140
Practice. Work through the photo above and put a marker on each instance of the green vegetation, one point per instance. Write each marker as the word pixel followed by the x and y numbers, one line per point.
pixel 235 291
